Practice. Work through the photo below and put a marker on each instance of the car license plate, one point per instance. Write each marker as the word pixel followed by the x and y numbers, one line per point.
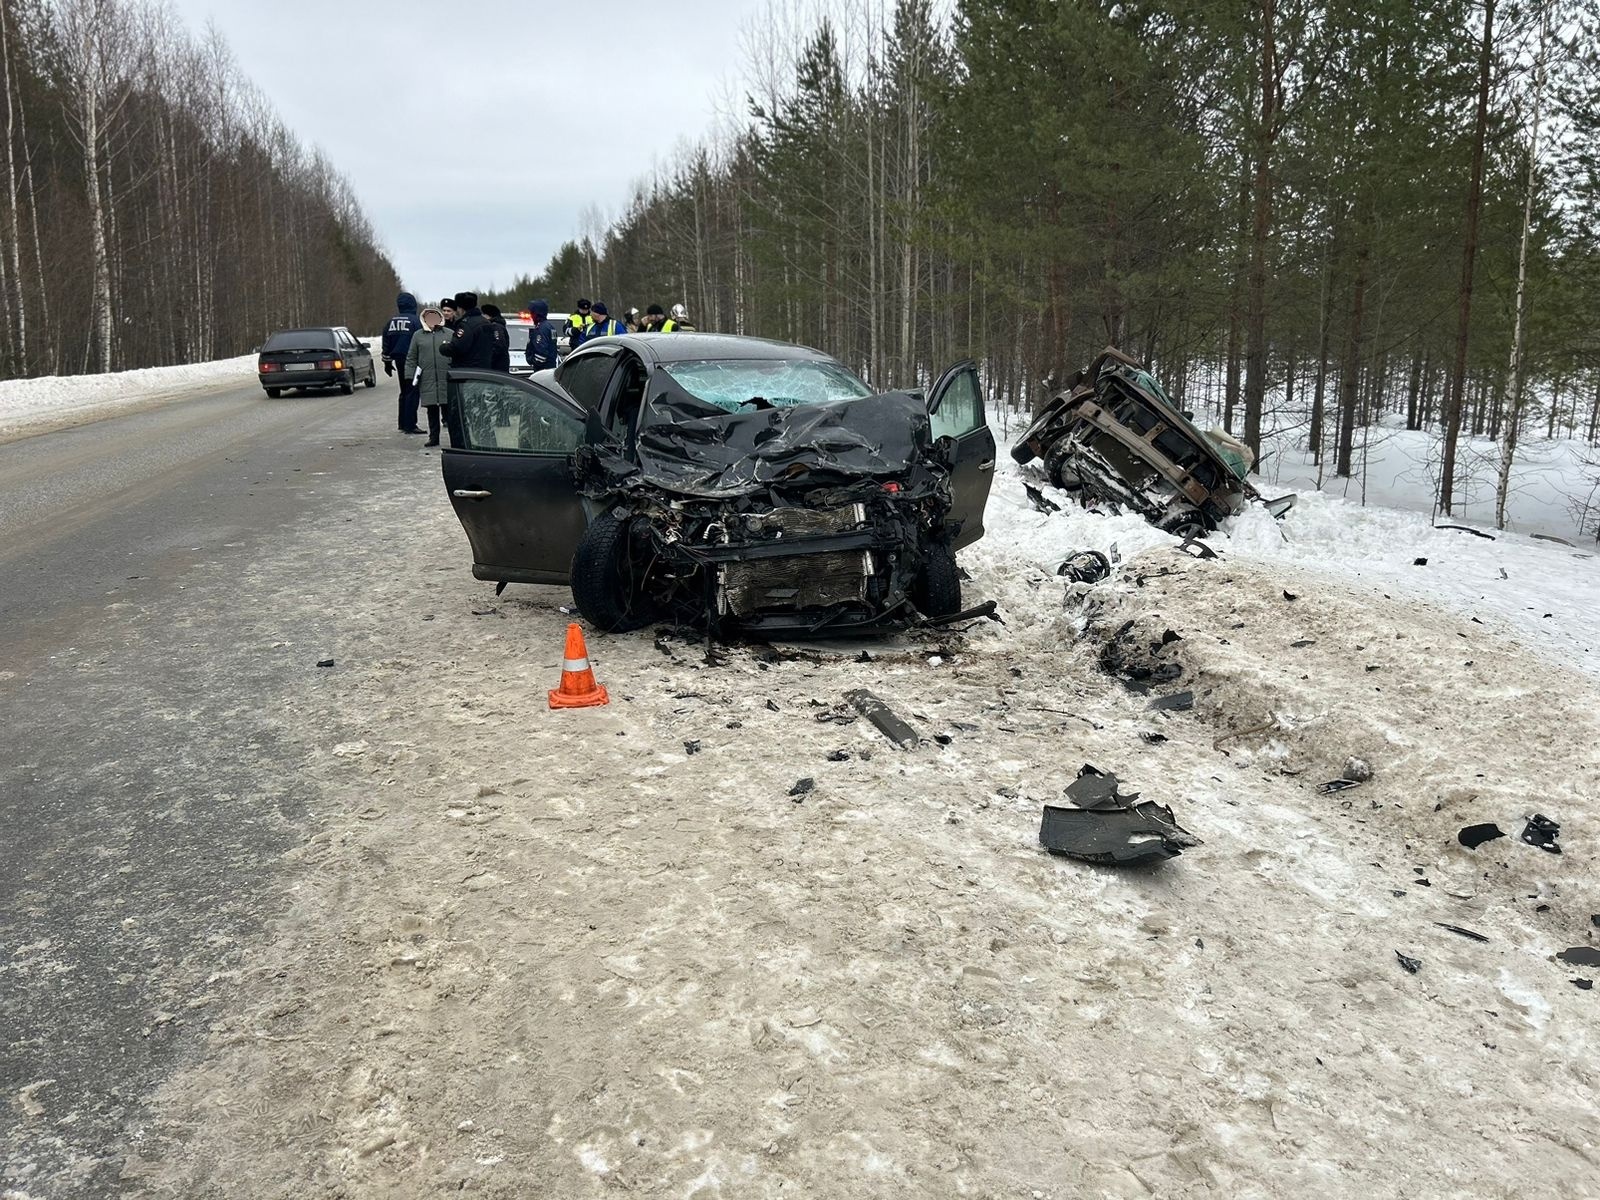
pixel 300 367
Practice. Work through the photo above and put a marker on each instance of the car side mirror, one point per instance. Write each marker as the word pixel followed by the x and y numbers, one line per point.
pixel 1188 414
pixel 595 431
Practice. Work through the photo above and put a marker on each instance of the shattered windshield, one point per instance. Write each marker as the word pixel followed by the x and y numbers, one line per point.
pixel 732 384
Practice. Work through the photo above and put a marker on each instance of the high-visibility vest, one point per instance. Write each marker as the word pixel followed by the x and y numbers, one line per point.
pixel 668 325
pixel 609 327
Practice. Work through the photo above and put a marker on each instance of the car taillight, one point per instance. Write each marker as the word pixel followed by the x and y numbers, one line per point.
pixel 328 364
pixel 338 364
pixel 270 366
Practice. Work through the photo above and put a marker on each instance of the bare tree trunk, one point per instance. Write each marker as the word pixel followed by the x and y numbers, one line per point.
pixel 1414 390
pixel 1255 354
pixel 1469 252
pixel 1350 371
pixel 16 305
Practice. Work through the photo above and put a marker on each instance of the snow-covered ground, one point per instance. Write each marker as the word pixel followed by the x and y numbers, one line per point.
pixel 31 406
pixel 618 951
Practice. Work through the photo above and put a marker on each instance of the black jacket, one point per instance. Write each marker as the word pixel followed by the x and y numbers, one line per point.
pixel 473 347
pixel 502 345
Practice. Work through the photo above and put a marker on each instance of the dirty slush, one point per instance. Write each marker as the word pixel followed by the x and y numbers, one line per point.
pixel 625 950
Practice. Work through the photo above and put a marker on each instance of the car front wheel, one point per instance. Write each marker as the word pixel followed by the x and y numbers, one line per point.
pixel 938 591
pixel 607 585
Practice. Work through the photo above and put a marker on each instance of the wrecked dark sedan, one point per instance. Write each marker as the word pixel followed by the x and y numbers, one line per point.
pixel 723 482
pixel 1114 437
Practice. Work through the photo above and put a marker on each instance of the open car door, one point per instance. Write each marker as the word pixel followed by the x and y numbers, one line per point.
pixel 956 404
pixel 508 476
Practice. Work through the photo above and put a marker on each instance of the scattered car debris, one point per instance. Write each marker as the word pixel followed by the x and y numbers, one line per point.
pixel 1583 985
pixel 1086 566
pixel 1138 662
pixel 1419 562
pixel 1039 500
pixel 1177 702
pixel 888 723
pixel 1337 785
pixel 1155 739
pixel 1110 828
pixel 1581 956
pixel 691 747
pixel 1302 643
pixel 985 610
pixel 1412 965
pixel 1114 437
pixel 803 787
pixel 1467 529
pixel 326 662
pixel 1542 832
pixel 1550 537
pixel 1466 933
pixel 1290 596
pixel 1195 548
pixel 1474 836
pixel 838 755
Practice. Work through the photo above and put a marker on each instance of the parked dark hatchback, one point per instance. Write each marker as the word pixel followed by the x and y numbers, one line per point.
pixel 723 482
pixel 325 356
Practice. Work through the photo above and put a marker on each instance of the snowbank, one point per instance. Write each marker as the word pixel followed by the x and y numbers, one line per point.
pixel 30 406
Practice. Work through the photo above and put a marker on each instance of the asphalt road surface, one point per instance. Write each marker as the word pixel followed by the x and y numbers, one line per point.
pixel 147 791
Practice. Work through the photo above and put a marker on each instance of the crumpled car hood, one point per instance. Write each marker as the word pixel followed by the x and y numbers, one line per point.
pixel 695 449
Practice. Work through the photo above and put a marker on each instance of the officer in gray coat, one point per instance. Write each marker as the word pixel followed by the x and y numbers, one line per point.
pixel 427 365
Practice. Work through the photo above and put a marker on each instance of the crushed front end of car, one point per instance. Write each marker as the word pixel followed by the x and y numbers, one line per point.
pixel 1115 438
pixel 814 519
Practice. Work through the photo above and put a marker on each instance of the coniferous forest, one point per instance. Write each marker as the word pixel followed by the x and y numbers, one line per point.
pixel 1299 212
pixel 153 207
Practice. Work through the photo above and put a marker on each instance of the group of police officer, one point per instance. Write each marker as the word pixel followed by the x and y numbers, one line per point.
pixel 589 321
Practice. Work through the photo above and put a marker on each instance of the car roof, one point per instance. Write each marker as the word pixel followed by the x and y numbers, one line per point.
pixel 688 347
pixel 307 329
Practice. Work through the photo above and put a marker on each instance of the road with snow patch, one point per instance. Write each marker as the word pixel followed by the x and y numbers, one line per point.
pixel 146 790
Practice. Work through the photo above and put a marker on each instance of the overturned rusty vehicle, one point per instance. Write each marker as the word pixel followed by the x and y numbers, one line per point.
pixel 1115 438
pixel 727 483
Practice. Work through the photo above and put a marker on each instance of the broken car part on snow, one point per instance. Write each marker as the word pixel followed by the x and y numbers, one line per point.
pixel 1107 827
pixel 724 483
pixel 1114 437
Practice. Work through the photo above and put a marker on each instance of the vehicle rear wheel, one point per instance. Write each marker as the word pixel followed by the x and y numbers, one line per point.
pixel 349 384
pixel 372 376
pixel 938 592
pixel 606 586
pixel 274 393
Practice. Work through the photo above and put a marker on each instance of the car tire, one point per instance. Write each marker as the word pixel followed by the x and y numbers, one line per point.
pixel 372 377
pixel 602 586
pixel 348 387
pixel 938 590
pixel 1186 523
pixel 1055 458
pixel 274 393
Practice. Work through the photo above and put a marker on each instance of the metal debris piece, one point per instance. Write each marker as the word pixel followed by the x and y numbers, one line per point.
pixel 1467 529
pixel 803 786
pixel 892 726
pixel 838 755
pixel 691 747
pixel 1412 965
pixel 1288 595
pixel 1086 566
pixel 1338 785
pixel 1474 836
pixel 326 662
pixel 1195 548
pixel 1039 500
pixel 1542 832
pixel 1581 956
pixel 1466 933
pixel 1583 985
pixel 1177 702
pixel 1109 827
pixel 1419 562
pixel 1155 739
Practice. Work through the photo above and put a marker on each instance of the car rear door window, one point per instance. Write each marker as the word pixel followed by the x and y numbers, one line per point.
pixel 584 378
pixel 960 409
pixel 516 418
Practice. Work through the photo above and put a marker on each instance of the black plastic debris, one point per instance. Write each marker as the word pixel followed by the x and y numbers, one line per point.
pixel 1595 920
pixel 1466 933
pixel 838 755
pixel 1419 562
pixel 1111 828
pixel 1177 702
pixel 1288 595
pixel 1581 956
pixel 803 787
pixel 1542 832
pixel 1195 548
pixel 1039 500
pixel 1337 785
pixel 1583 985
pixel 1155 739
pixel 888 723
pixel 691 747
pixel 772 706
pixel 326 662
pixel 944 739
pixel 1467 529
pixel 1474 836
pixel 1412 965
pixel 1302 643
pixel 1086 566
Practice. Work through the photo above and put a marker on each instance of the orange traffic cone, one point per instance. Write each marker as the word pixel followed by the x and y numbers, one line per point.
pixel 578 688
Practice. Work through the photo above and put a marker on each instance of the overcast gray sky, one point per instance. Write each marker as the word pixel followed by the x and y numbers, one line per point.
pixel 476 134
